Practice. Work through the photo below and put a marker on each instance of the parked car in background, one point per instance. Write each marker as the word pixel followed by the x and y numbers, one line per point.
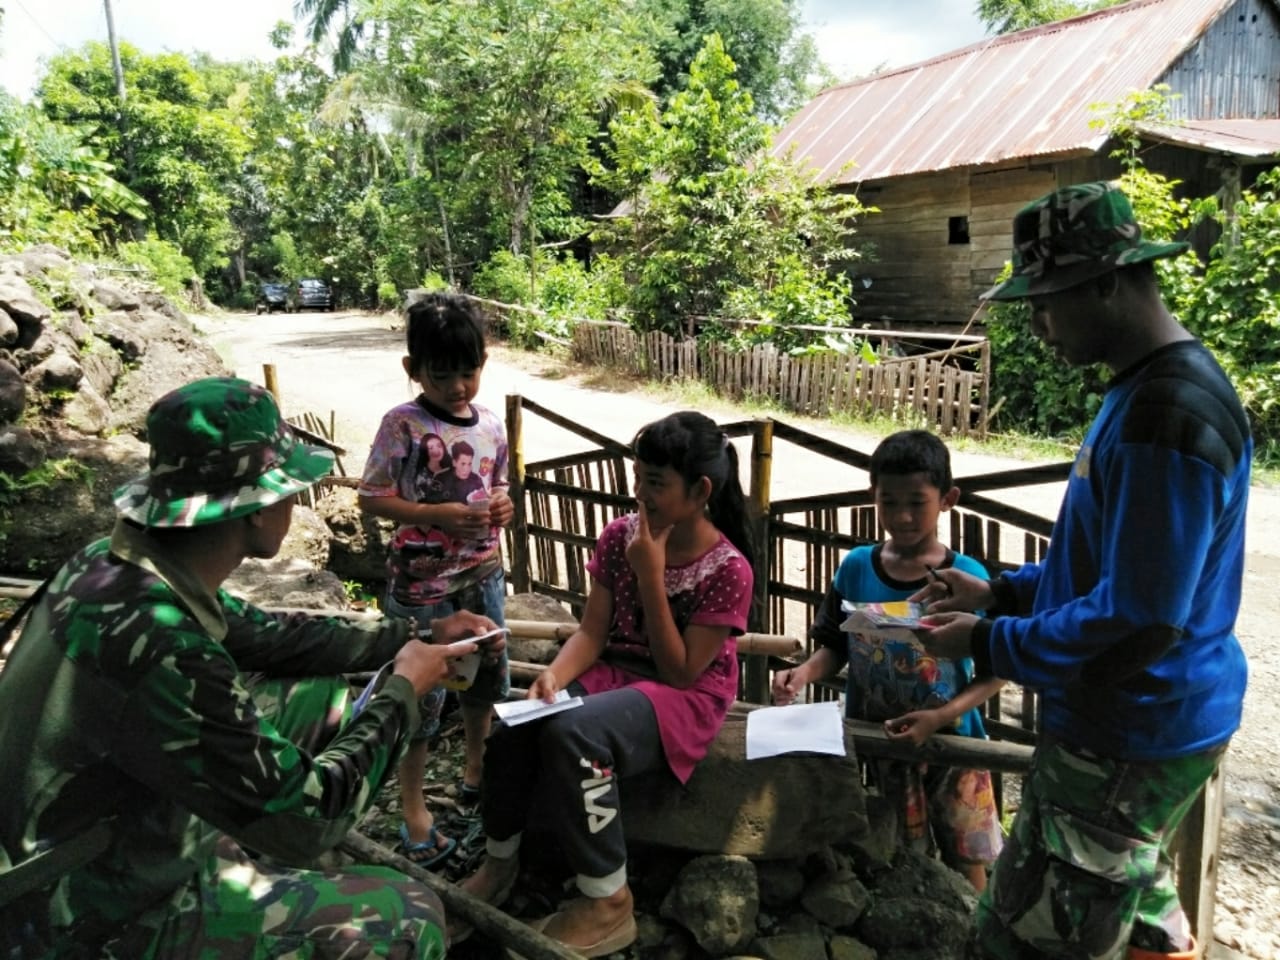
pixel 272 296
pixel 312 294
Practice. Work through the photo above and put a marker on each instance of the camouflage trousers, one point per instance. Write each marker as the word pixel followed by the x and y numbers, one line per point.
pixel 1087 870
pixel 248 909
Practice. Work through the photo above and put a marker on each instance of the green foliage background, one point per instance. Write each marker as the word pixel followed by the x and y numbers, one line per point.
pixel 584 159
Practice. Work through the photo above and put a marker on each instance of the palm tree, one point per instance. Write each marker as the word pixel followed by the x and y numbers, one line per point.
pixel 323 14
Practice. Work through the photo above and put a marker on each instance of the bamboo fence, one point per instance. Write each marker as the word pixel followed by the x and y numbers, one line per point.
pixel 947 389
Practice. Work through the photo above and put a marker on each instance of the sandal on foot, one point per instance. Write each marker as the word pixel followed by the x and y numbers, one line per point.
pixel 429 852
pixel 619 938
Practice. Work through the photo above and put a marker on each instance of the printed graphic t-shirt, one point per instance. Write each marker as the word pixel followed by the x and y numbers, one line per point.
pixel 426 455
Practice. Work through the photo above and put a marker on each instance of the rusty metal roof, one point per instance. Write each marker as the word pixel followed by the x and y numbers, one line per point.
pixel 1015 96
pixel 1240 138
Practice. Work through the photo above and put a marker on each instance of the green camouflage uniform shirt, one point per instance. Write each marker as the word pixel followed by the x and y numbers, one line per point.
pixel 128 695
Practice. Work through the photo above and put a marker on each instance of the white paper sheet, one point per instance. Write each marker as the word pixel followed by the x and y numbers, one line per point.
pixel 522 711
pixel 798 728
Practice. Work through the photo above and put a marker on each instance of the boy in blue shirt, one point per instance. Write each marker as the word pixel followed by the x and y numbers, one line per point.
pixel 912 693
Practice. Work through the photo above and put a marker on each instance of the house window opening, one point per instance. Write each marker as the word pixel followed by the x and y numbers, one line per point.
pixel 957 230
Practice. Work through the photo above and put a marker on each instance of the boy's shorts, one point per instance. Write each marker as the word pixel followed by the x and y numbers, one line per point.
pixel 952 808
pixel 493 681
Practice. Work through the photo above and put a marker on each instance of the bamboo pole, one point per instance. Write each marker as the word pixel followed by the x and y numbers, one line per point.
pixel 520 570
pixel 756 669
pixel 270 382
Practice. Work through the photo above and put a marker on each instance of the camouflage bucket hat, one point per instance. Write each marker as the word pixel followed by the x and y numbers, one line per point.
pixel 219 449
pixel 1073 235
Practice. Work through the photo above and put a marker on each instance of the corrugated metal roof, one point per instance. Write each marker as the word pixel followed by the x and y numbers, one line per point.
pixel 1240 138
pixel 1020 95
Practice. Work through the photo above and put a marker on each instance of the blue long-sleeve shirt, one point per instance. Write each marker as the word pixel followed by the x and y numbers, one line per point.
pixel 1129 619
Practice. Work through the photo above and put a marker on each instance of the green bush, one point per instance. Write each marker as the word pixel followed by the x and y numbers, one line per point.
pixel 1235 308
pixel 504 277
pixel 168 266
pixel 561 287
pixel 795 295
pixel 388 295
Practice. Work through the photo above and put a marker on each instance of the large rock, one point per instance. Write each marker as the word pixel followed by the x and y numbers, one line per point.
pixel 87 412
pixel 102 366
pixel 72 507
pixel 13 392
pixel 716 899
pixel 539 608
pixel 776 808
pixel 174 355
pixel 8 329
pixel 358 548
pixel 21 303
pixel 115 297
pixel 57 372
pixel 287 582
pixel 20 451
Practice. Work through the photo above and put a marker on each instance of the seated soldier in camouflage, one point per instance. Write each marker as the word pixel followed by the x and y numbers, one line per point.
pixel 142 693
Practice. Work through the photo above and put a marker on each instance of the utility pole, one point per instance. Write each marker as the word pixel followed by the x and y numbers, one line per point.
pixel 115 56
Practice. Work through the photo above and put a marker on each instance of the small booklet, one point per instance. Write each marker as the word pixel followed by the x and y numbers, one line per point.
pixel 895 621
pixel 515 712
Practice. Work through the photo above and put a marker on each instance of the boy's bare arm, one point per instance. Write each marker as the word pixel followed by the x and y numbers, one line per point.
pixel 788 683
pixel 918 725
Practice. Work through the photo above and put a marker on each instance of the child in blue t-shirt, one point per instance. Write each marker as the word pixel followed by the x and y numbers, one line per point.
pixel 911 692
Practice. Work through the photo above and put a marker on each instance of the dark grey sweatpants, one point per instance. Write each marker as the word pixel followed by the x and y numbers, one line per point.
pixel 576 759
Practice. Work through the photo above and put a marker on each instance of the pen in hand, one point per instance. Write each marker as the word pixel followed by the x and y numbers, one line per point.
pixel 934 575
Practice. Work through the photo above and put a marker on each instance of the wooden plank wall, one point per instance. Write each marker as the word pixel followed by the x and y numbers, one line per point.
pixel 916 276
pixel 995 198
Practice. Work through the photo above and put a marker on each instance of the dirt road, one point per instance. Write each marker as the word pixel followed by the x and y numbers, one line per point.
pixel 350 364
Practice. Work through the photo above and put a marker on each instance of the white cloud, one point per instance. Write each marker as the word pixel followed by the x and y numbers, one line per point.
pixel 856 38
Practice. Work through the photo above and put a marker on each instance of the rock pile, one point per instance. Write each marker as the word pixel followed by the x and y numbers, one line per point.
pixel 81 359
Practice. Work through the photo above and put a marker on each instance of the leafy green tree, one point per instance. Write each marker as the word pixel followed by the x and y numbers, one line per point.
pixel 1235 307
pixel 775 58
pixel 324 15
pixel 1006 16
pixel 174 144
pixel 503 100
pixel 55 185
pixel 714 226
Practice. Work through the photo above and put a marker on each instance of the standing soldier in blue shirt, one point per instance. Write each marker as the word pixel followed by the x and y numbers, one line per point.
pixel 1126 626
pixel 142 696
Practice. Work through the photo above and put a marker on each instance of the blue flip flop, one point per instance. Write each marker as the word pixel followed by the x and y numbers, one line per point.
pixel 413 850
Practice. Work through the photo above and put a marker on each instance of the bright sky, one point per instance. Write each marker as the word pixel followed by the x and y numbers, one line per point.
pixel 854 36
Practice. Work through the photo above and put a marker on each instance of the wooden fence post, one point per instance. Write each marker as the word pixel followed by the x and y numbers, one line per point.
pixel 1196 853
pixel 521 575
pixel 756 668
pixel 270 382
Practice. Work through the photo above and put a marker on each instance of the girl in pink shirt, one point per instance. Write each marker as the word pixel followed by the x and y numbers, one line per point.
pixel 656 661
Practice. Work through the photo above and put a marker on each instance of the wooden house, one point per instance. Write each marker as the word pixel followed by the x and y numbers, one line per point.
pixel 950 148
